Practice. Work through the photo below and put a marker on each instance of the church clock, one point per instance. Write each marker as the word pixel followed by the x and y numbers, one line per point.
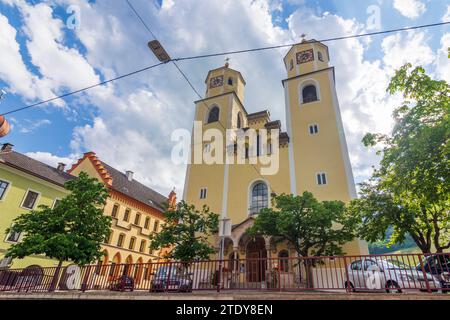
pixel 305 56
pixel 216 82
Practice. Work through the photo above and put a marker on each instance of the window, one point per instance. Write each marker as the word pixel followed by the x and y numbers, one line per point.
pixel 30 199
pixel 320 56
pixel 110 236
pixel 147 222
pixel 357 265
pixel 155 226
pixel 207 148
pixel 313 129
pixel 137 219
pixel 309 94
pixel 230 81
pixel 213 115
pixel 239 121
pixel 120 240
pixel 260 197
pixel 143 244
pixel 126 216
pixel 13 236
pixel 56 202
pixel 132 242
pixel 203 193
pixel 368 264
pixel 5 262
pixel 115 209
pixel 283 255
pixel 3 186
pixel 321 178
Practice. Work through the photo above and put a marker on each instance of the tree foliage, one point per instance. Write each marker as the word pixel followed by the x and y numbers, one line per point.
pixel 71 231
pixel 185 232
pixel 311 226
pixel 411 189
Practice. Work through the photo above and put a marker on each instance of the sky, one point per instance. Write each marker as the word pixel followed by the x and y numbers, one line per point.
pixel 49 48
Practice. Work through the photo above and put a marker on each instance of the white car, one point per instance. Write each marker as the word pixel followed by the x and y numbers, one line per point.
pixel 379 273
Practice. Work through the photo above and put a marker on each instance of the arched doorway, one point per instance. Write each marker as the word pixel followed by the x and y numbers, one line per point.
pixel 138 270
pixel 115 265
pixel 256 255
pixel 128 266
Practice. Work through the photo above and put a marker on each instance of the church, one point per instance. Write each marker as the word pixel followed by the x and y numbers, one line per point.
pixel 312 150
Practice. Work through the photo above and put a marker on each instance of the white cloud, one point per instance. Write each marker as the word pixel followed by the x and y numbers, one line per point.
pixel 399 49
pixel 51 159
pixel 443 61
pixel 13 69
pixel 136 116
pixel 446 16
pixel 31 126
pixel 410 8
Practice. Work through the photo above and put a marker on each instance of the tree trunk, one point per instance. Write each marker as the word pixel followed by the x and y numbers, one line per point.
pixel 309 273
pixel 56 277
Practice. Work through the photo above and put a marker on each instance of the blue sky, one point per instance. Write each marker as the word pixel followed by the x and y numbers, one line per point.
pixel 42 57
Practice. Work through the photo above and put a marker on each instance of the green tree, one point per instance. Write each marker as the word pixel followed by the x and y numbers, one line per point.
pixel 411 189
pixel 71 231
pixel 185 232
pixel 313 227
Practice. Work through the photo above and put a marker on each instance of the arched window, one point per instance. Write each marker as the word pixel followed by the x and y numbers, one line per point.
pixel 283 255
pixel 309 93
pixel 239 121
pixel 213 115
pixel 260 198
pixel 320 56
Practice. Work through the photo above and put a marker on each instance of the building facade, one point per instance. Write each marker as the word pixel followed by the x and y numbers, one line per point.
pixel 25 184
pixel 136 210
pixel 312 152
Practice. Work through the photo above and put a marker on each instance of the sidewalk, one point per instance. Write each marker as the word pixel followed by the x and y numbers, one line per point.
pixel 213 295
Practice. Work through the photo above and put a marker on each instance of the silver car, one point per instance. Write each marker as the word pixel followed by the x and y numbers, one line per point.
pixel 379 273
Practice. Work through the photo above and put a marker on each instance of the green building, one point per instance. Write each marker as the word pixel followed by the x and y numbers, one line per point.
pixel 25 184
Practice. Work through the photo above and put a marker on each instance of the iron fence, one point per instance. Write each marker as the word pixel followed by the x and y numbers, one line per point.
pixel 391 273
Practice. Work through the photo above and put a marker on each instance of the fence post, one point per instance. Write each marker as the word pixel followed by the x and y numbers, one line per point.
pixel 219 276
pixel 168 277
pixel 424 273
pixel 84 285
pixel 347 287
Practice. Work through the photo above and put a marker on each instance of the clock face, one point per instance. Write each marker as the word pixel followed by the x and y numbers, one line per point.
pixel 305 56
pixel 216 82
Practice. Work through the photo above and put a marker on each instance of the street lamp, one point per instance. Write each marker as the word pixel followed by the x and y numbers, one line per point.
pixel 159 51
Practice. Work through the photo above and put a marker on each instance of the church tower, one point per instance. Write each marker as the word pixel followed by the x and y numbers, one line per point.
pixel 318 155
pixel 311 154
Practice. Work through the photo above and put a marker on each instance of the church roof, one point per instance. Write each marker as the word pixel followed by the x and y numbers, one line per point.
pixel 119 182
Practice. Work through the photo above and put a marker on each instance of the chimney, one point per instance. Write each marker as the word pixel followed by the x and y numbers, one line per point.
pixel 129 175
pixel 61 167
pixel 7 147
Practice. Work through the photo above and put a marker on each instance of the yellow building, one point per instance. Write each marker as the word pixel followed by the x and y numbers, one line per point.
pixel 312 153
pixel 136 210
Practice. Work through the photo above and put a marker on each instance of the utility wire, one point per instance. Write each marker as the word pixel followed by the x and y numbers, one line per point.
pixel 188 81
pixel 311 41
pixel 83 89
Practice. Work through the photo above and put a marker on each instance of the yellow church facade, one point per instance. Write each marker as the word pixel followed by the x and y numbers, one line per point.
pixel 311 153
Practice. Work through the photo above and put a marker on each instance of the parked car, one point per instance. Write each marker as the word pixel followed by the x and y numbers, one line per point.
pixel 172 279
pixel 439 266
pixel 122 283
pixel 390 275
